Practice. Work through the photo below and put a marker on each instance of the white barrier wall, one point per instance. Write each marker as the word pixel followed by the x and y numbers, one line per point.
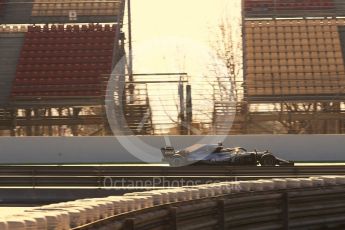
pixel 20 150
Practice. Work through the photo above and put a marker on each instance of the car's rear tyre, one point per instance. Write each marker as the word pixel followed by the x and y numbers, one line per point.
pixel 268 160
pixel 177 161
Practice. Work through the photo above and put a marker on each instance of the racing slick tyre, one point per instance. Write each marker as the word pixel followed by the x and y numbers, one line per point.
pixel 268 160
pixel 177 161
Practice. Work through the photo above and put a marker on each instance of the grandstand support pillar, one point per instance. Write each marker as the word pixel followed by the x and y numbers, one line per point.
pixel 75 128
pixel 61 132
pixel 50 127
pixel 28 128
pixel 325 107
pixel 341 126
pixel 182 129
pixel 337 122
pixel 37 127
pixel 189 108
pixel 14 122
pixel 106 128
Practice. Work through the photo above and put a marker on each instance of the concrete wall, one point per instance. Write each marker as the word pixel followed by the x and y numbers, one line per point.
pixel 135 149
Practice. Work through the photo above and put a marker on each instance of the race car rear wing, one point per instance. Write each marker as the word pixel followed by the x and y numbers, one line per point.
pixel 168 151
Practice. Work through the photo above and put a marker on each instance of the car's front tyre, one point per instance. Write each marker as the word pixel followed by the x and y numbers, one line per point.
pixel 268 160
pixel 177 161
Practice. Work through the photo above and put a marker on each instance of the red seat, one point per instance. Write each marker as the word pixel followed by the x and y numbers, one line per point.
pixel 60 28
pixel 76 28
pixel 107 27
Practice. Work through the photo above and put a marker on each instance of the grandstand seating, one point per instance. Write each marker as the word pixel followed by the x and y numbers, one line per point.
pixel 294 57
pixel 63 7
pixel 2 6
pixel 64 61
pixel 290 5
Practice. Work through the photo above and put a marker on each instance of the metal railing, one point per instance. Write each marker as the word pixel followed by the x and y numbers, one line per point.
pixel 99 176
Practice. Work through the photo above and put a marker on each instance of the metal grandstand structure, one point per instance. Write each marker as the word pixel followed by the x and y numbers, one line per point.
pixel 294 66
pixel 57 56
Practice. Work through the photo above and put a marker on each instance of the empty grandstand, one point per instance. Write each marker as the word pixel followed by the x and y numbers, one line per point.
pixel 294 66
pixel 294 59
pixel 292 8
pixel 73 57
pixel 60 11
pixel 53 75
pixel 75 7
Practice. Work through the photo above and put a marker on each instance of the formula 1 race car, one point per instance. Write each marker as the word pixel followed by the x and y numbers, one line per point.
pixel 218 154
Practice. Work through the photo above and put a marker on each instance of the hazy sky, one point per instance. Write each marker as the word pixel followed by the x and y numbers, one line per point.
pixel 154 22
pixel 187 18
pixel 174 36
